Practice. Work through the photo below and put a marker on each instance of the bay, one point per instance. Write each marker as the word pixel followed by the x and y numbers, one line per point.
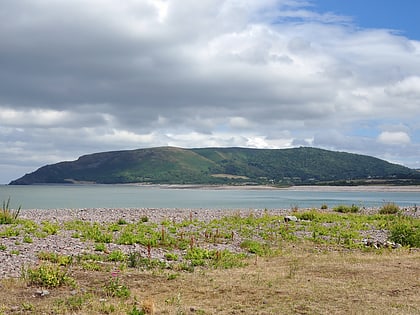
pixel 137 196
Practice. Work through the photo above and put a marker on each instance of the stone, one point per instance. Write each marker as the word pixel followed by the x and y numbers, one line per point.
pixel 289 218
pixel 42 293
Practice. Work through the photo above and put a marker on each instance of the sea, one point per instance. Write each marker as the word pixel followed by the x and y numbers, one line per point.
pixel 145 196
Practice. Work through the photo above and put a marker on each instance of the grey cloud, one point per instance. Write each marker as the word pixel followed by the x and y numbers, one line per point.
pixel 103 75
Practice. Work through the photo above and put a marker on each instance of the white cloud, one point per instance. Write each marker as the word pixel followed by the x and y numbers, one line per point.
pixel 239 122
pixel 394 138
pixel 408 87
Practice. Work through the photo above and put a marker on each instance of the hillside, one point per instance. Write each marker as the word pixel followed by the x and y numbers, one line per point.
pixel 170 165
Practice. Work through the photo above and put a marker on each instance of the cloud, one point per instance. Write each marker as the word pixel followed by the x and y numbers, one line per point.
pixel 394 138
pixel 85 76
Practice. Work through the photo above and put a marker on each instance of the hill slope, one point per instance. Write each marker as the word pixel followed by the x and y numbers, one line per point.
pixel 169 165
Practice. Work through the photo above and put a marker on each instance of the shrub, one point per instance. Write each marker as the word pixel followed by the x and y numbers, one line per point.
pixel 405 233
pixel 346 209
pixel 7 215
pixel 47 275
pixel 308 215
pixel 389 208
pixel 324 206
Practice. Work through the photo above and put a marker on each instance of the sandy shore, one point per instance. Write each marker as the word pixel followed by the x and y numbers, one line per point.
pixel 415 188
pixel 411 188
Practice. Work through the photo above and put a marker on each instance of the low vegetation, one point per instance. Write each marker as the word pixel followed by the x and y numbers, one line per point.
pixel 389 208
pixel 319 262
pixel 347 209
pixel 8 215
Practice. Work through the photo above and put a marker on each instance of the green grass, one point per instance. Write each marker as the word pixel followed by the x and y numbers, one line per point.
pixel 389 208
pixel 346 209
pixel 8 215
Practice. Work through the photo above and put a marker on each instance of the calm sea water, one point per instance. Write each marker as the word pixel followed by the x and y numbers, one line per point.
pixel 126 196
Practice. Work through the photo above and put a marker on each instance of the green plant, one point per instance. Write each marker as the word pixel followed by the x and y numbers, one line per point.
pixel 226 260
pixel 75 303
pixel 324 206
pixel 28 307
pixel 256 247
pixel 308 215
pixel 88 231
pixel 122 221
pixel 389 208
pixel 199 256
pixel 117 255
pixel 100 247
pixel 62 260
pixel 346 209
pixel 115 288
pixel 134 260
pixel 27 239
pixel 3 247
pixel 406 233
pixel 171 256
pixel 90 257
pixel 10 231
pixel 91 266
pixel 47 275
pixel 136 311
pixel 8 215
pixel 172 276
pixel 50 228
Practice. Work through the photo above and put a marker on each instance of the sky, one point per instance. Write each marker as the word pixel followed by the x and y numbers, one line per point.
pixel 85 76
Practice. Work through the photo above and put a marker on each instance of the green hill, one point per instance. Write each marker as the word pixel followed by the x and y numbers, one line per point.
pixel 169 165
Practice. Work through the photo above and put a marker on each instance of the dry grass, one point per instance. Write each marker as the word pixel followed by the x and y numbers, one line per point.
pixel 302 279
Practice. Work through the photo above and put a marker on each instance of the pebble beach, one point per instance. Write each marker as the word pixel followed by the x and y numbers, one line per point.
pixel 18 253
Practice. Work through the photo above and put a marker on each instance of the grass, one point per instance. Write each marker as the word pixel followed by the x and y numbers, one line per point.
pixel 253 264
pixel 389 208
pixel 302 280
pixel 8 215
pixel 346 209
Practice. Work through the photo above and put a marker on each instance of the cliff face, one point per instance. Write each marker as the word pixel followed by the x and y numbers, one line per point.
pixel 171 165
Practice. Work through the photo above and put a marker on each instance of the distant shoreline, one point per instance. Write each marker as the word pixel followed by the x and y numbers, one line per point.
pixel 380 188
pixel 313 188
